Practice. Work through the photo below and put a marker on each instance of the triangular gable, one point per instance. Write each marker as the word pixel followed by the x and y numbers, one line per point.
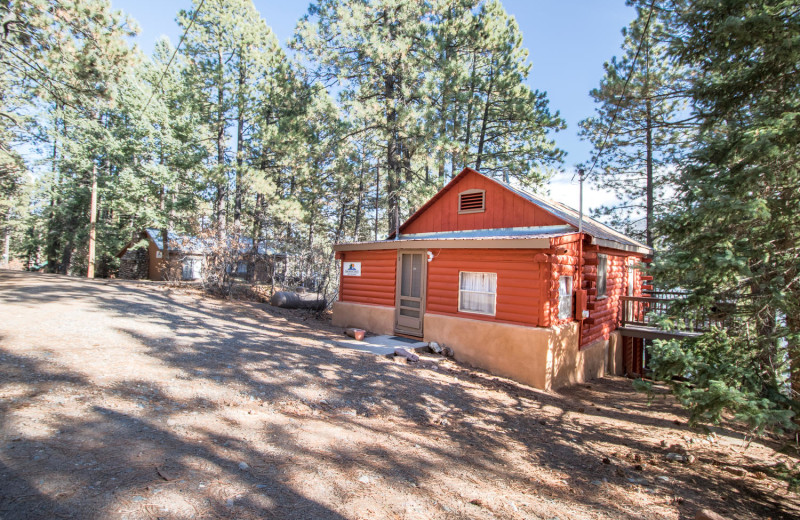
pixel 505 207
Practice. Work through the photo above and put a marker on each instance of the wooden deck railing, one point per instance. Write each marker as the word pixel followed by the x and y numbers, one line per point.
pixel 644 311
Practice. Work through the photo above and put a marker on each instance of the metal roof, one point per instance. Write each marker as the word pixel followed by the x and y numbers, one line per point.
pixel 176 242
pixel 508 238
pixel 590 226
pixel 503 233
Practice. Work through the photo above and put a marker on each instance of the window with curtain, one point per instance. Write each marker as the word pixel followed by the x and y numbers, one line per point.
pixel 477 292
pixel 564 297
pixel 602 270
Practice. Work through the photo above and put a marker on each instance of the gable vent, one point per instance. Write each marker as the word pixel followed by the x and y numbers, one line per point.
pixel 472 201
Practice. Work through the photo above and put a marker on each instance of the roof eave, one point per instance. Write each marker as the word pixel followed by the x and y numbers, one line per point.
pixel 451 243
pixel 631 248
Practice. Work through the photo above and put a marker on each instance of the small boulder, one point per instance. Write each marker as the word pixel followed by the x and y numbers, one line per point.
pixel 707 514
pixel 734 470
pixel 435 347
pixel 406 354
pixel 677 448
pixel 675 457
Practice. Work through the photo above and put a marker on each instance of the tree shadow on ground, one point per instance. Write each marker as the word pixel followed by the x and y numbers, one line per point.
pixel 229 387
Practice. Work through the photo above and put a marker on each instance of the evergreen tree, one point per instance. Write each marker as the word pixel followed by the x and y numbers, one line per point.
pixel 508 124
pixel 642 125
pixel 733 241
pixel 374 53
pixel 70 54
pixel 232 56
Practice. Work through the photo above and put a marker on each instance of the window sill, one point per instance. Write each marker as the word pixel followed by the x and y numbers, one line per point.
pixel 461 311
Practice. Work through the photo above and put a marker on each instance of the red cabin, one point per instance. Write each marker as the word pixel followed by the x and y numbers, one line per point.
pixel 501 276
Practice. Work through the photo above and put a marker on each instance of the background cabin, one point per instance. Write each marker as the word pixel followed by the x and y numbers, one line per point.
pixel 192 257
pixel 501 276
pixel 142 258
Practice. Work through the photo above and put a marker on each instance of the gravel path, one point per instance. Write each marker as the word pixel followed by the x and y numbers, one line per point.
pixel 132 400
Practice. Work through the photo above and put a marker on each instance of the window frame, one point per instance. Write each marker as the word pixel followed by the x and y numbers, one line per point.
pixel 494 301
pixel 602 260
pixel 569 313
pixel 476 210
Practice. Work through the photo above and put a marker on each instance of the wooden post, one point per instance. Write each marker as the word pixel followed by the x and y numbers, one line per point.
pixel 92 222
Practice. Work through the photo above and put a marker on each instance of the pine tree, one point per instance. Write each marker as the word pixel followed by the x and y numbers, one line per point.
pixel 508 131
pixel 642 125
pixel 479 109
pixel 232 56
pixel 68 54
pixel 374 53
pixel 735 236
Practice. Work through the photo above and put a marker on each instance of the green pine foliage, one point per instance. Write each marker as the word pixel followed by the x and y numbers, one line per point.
pixel 445 76
pixel 642 127
pixel 232 138
pixel 733 239
pixel 717 377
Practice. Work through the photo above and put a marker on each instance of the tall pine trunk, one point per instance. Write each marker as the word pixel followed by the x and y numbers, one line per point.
pixel 53 238
pixel 221 185
pixel 484 123
pixel 92 222
pixel 393 153
pixel 237 205
pixel 7 239
pixel 360 202
pixel 468 120
pixel 649 152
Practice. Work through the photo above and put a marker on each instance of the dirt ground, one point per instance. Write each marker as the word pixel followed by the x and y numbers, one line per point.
pixel 131 400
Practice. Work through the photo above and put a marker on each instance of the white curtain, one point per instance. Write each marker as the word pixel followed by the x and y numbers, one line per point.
pixel 564 297
pixel 478 292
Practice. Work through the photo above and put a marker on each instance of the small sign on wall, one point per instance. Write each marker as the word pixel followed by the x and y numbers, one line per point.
pixel 351 269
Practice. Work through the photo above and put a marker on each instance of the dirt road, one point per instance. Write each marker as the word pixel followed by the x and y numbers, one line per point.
pixel 124 400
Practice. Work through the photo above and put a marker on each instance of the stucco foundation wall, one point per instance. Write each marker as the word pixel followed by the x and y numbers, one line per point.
pixel 542 357
pixel 374 318
pixel 572 365
pixel 513 351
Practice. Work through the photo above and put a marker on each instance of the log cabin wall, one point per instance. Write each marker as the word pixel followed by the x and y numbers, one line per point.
pixel 375 286
pixel 503 209
pixel 604 312
pixel 521 282
pixel 563 263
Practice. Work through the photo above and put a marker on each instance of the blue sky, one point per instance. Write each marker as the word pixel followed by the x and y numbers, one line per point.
pixel 568 40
